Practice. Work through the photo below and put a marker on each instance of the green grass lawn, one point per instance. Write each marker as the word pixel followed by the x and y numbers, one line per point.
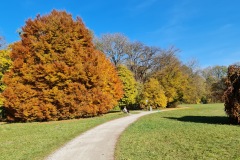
pixel 31 141
pixel 200 132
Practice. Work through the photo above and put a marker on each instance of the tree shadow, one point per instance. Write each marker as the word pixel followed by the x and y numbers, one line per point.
pixel 203 119
pixel 114 111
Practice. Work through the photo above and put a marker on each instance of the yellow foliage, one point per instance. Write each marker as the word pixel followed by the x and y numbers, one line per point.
pixel 5 63
pixel 173 81
pixel 129 86
pixel 153 94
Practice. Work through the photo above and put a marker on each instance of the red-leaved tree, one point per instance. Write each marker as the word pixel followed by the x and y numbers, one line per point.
pixel 232 94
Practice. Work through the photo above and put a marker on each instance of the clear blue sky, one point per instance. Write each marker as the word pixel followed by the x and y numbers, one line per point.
pixel 206 30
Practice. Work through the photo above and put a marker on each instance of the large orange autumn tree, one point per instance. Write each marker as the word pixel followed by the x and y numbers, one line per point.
pixel 57 74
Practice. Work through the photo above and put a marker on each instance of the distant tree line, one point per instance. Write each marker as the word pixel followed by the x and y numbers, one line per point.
pixel 178 82
pixel 58 70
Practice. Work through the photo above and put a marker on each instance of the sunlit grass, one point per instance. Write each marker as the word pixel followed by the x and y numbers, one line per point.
pixel 200 132
pixel 31 141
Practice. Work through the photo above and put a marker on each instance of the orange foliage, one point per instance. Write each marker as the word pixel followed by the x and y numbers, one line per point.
pixel 57 74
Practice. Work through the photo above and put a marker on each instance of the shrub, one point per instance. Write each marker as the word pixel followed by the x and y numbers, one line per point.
pixel 57 74
pixel 232 93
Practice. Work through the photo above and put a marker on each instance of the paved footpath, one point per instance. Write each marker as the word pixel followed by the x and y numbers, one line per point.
pixel 97 143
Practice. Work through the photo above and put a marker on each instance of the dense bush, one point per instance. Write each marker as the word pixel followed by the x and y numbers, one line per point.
pixel 57 74
pixel 232 93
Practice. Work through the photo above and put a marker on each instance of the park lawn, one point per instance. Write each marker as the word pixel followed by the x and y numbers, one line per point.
pixel 199 132
pixel 33 141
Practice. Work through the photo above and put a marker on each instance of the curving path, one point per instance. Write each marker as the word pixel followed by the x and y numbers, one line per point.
pixel 97 143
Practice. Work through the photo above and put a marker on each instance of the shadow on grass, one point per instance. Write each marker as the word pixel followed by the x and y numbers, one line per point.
pixel 114 111
pixel 203 119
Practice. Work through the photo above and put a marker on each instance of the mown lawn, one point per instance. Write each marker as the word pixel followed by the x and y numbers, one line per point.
pixel 33 141
pixel 200 132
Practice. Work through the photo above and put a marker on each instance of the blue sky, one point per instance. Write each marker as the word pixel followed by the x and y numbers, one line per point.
pixel 205 30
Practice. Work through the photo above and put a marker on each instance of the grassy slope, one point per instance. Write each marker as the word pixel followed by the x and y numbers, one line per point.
pixel 200 132
pixel 36 140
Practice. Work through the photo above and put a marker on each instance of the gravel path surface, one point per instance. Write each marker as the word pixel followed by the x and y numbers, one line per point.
pixel 97 143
